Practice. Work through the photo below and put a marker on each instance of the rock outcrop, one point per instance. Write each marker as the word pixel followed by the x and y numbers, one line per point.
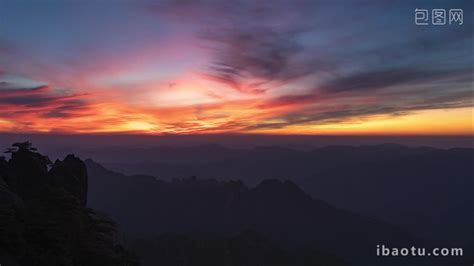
pixel 44 220
pixel 70 174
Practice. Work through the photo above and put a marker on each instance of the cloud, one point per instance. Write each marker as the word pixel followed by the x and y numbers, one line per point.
pixel 377 79
pixel 259 55
pixel 67 108
pixel 306 63
pixel 320 110
pixel 252 51
pixel 17 100
pixel 8 88
pixel 272 64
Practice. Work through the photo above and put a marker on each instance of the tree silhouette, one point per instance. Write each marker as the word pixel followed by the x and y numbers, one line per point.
pixel 21 146
pixel 27 147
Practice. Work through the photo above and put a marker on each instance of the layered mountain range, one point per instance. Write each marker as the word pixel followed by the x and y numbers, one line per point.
pixel 66 212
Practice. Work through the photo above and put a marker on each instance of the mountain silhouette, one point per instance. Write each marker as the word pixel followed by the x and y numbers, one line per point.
pixel 57 213
pixel 421 189
pixel 43 217
pixel 144 205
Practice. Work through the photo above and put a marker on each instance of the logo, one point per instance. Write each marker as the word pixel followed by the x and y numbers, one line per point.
pixel 438 17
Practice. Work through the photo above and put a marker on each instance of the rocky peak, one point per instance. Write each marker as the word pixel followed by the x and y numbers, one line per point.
pixel 70 174
pixel 26 172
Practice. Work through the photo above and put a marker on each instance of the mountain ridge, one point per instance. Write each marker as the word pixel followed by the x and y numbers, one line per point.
pixel 276 208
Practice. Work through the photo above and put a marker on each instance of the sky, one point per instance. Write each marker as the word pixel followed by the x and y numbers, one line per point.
pixel 199 67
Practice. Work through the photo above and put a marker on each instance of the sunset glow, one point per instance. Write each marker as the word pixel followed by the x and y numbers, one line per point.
pixel 187 69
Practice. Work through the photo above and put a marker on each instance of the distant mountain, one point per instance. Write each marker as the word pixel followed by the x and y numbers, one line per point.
pixel 144 205
pixel 420 196
pixel 423 190
pixel 43 217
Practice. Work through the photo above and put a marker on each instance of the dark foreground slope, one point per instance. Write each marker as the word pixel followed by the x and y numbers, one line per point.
pixel 277 209
pixel 247 248
pixel 43 217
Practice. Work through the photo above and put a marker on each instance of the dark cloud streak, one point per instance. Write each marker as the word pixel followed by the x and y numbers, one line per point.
pixel 17 100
